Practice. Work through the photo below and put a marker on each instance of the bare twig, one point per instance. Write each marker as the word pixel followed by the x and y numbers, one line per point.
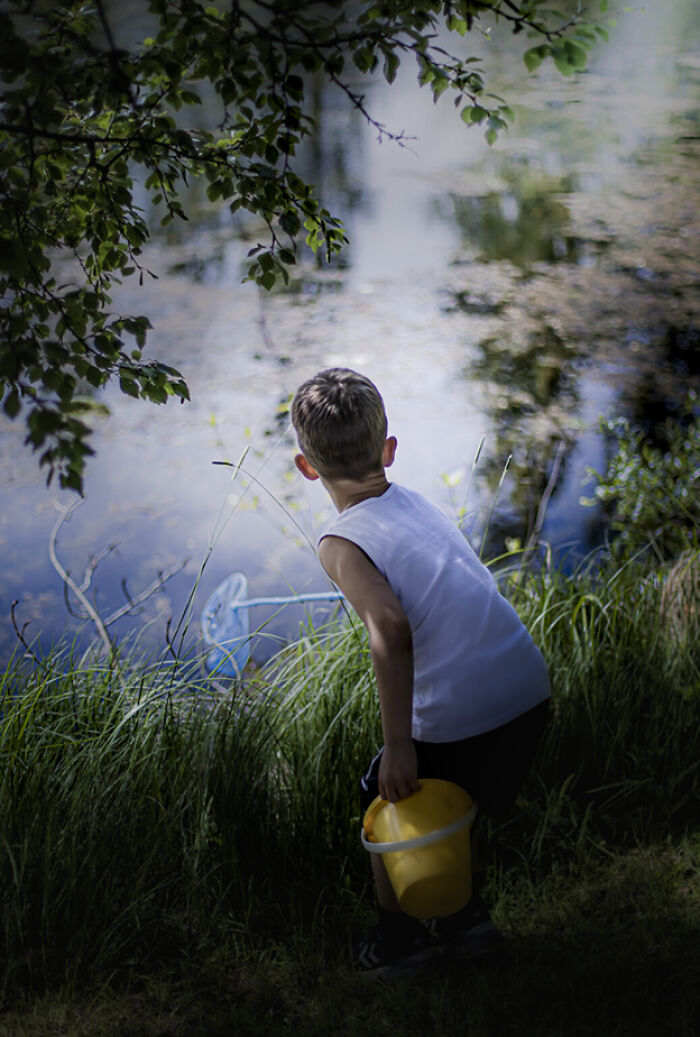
pixel 94 562
pixel 90 568
pixel 132 603
pixel 74 612
pixel 20 633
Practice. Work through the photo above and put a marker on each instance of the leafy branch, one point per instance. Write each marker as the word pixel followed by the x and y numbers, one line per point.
pixel 82 117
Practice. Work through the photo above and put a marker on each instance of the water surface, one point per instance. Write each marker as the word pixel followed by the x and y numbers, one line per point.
pixel 503 296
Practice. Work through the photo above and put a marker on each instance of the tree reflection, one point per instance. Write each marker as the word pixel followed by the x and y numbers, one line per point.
pixel 567 285
pixel 526 223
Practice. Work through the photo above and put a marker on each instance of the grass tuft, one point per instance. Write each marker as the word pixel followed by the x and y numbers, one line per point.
pixel 157 830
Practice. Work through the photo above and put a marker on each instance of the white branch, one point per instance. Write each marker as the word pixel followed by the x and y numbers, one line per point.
pixel 64 513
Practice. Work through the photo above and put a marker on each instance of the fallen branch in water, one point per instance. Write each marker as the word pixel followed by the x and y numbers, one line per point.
pixel 93 614
pixel 87 609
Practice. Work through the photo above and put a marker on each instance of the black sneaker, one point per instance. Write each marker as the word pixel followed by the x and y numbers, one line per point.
pixel 469 932
pixel 386 955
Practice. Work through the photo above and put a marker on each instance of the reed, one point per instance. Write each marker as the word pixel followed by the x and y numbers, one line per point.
pixel 115 790
pixel 146 815
pixel 623 749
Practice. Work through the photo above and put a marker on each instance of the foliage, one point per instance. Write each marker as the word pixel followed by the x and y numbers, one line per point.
pixel 83 118
pixel 652 491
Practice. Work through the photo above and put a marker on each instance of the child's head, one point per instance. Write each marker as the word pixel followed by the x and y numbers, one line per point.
pixel 340 422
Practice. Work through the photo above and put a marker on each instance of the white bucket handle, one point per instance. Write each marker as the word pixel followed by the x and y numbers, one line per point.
pixel 421 840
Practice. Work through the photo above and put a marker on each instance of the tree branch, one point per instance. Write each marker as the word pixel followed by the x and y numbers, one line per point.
pixel 65 513
pixel 89 611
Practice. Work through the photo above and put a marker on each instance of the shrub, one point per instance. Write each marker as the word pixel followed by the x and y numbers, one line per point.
pixel 653 492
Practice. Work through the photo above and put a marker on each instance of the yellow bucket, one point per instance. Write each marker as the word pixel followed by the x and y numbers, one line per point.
pixel 424 843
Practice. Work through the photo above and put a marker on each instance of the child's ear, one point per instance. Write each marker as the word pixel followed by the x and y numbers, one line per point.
pixel 389 452
pixel 307 470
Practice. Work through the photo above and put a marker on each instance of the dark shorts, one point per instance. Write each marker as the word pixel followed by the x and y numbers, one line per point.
pixel 491 767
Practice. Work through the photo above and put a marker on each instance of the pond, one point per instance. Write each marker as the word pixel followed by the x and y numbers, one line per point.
pixel 502 299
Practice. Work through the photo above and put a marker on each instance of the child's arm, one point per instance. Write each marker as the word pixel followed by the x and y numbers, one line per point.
pixel 391 647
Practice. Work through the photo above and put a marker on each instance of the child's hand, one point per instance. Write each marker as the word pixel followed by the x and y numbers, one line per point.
pixel 398 771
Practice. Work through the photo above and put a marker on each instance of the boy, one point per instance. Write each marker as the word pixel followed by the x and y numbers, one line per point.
pixel 463 690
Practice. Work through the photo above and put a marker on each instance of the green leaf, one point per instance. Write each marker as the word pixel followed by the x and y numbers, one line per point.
pixel 457 24
pixel 13 258
pixel 290 223
pixel 128 386
pixel 576 54
pixel 391 64
pixel 11 405
pixel 534 57
pixel 477 114
pixel 156 393
pixel 561 60
pixel 439 84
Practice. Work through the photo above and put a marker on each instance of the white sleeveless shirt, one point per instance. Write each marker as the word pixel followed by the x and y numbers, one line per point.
pixel 475 665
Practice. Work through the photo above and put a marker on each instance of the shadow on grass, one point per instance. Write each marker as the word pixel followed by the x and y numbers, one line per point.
pixel 611 949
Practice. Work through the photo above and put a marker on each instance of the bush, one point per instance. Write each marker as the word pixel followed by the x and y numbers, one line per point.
pixel 653 492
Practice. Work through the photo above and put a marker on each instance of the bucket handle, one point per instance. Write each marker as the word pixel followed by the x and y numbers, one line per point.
pixel 421 840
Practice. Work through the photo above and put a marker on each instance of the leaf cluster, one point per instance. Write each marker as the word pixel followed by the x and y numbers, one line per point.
pixel 652 490
pixel 82 117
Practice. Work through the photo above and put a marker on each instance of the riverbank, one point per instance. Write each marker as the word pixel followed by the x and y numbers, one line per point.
pixel 181 859
pixel 608 947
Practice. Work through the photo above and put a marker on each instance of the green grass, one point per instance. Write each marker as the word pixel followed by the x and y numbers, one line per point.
pixel 610 948
pixel 175 859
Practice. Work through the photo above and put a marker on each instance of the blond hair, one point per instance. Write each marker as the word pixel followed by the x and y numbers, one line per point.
pixel 340 422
